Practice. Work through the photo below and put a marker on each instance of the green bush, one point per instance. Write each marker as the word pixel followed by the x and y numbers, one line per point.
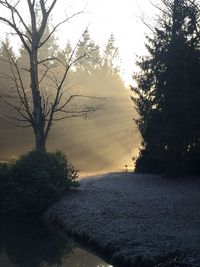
pixel 35 181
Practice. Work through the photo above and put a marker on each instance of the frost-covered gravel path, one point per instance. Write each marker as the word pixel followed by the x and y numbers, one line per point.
pixel 132 215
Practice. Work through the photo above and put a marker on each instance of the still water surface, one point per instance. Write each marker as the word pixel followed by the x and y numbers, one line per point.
pixel 26 243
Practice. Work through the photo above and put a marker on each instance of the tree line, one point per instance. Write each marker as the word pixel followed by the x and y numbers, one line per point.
pixel 167 94
pixel 36 87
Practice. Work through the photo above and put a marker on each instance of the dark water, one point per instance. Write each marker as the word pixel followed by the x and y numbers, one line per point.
pixel 28 243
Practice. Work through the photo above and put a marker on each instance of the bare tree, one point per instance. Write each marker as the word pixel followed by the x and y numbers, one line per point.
pixel 34 108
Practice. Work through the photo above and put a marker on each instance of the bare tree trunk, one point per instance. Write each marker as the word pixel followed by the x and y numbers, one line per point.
pixel 39 120
pixel 40 141
pixel 38 112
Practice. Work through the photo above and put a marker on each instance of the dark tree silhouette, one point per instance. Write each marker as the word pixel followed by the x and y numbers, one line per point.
pixel 167 94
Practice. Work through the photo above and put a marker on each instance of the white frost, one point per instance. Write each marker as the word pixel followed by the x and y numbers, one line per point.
pixel 135 214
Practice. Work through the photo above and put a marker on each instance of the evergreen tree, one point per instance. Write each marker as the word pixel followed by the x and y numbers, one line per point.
pixel 90 53
pixel 110 59
pixel 5 69
pixel 168 92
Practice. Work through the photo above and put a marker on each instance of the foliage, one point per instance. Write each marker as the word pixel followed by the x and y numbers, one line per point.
pixel 167 94
pixel 111 58
pixel 35 181
pixel 149 163
pixel 90 50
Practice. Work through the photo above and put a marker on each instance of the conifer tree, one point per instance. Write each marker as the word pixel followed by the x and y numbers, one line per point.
pixel 167 92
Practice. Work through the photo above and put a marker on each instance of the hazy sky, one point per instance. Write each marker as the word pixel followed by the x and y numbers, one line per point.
pixel 120 17
pixel 103 17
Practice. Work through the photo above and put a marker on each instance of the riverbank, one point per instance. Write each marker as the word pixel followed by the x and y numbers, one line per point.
pixel 134 218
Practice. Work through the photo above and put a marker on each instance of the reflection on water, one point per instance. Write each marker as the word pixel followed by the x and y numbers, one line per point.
pixel 30 244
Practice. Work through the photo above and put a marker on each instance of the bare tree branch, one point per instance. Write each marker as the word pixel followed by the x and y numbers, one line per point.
pixel 21 93
pixel 56 27
pixel 13 123
pixel 13 23
pixel 39 111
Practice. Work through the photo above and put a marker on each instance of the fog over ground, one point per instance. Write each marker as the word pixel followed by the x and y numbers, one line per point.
pixel 107 140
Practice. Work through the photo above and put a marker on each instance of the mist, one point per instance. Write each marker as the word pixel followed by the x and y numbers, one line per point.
pixel 107 140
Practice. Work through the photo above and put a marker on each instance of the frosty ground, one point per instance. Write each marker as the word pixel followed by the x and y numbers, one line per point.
pixel 135 217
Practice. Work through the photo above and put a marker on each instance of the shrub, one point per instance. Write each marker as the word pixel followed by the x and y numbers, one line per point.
pixel 35 181
pixel 148 163
pixel 192 161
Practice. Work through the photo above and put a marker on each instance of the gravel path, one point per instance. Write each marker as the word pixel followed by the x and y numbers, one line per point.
pixel 135 217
